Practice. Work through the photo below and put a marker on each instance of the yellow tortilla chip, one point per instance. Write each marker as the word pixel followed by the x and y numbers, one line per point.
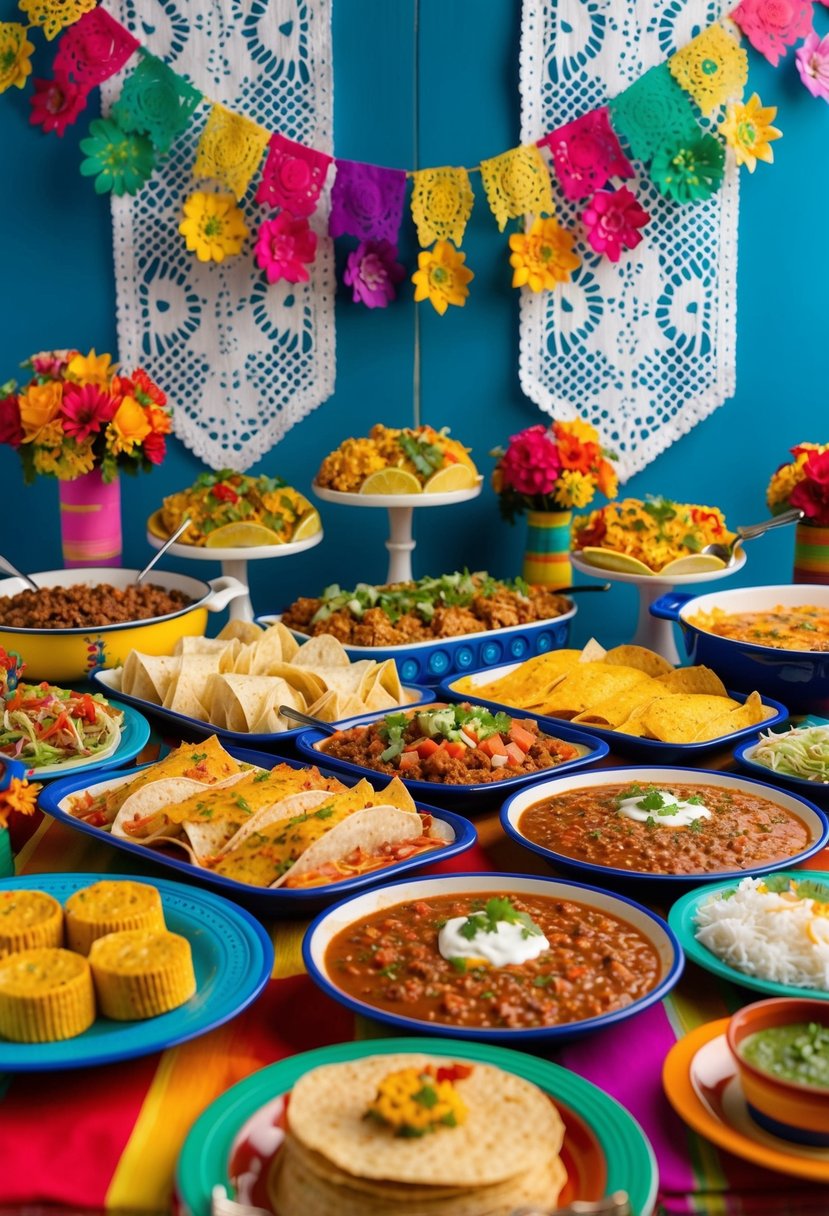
pixel 588 684
pixel 592 652
pixel 750 713
pixel 396 794
pixel 613 710
pixel 646 660
pixel 196 645
pixel 527 684
pixel 240 631
pixel 694 680
pixel 678 719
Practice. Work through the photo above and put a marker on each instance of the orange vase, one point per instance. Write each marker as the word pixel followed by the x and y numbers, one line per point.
pixel 811 554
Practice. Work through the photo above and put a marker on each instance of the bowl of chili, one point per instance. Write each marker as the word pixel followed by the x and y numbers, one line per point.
pixel 667 827
pixel 494 753
pixel 595 959
pixel 84 619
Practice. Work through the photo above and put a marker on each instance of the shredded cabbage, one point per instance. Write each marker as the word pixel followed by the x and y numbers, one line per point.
pixel 800 752
pixel 42 725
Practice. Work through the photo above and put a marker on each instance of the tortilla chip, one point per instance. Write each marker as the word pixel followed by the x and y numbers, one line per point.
pixel 388 678
pixel 694 680
pixel 679 718
pixel 322 651
pixel 645 660
pixel 588 684
pixel 527 684
pixel 241 631
pixel 396 794
pixel 592 652
pixel 190 645
pixel 613 710
pixel 750 713
pixel 378 698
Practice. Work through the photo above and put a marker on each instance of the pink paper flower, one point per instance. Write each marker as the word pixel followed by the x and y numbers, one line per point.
pixel 772 26
pixel 372 272
pixel 613 219
pixel 531 463
pixel 284 247
pixel 11 431
pixel 56 104
pixel 86 408
pixel 813 64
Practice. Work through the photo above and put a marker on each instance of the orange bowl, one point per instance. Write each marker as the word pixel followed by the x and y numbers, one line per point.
pixel 792 1110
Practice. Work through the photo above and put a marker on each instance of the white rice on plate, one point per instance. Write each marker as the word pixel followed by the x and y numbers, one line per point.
pixel 778 936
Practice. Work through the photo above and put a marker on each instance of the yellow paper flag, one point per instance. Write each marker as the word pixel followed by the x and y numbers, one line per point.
pixel 230 149
pixel 517 182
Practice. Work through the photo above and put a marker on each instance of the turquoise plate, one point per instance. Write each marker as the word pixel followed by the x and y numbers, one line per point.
pixel 601 1136
pixel 232 958
pixel 135 731
pixel 682 916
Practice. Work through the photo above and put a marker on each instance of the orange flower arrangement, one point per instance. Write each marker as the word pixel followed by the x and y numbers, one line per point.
pixel 552 469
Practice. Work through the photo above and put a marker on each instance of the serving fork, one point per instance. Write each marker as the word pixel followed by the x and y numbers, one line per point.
pixel 616 1204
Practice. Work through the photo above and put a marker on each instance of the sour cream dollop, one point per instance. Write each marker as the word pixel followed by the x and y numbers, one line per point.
pixel 507 943
pixel 682 813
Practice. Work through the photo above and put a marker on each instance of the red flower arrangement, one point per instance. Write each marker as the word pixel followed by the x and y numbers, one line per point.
pixel 552 469
pixel 803 483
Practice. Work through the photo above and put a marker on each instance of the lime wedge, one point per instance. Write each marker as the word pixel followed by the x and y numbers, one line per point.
pixel 607 559
pixel 307 525
pixel 391 481
pixel 454 477
pixel 694 563
pixel 241 536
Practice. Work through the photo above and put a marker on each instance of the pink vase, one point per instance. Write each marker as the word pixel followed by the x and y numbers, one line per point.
pixel 90 521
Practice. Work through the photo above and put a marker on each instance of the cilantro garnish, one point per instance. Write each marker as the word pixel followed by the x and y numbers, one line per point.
pixel 695 800
pixel 261 777
pixel 197 757
pixel 324 812
pixel 427 458
pixel 427 1096
pixel 695 825
pixel 495 911
pixel 652 801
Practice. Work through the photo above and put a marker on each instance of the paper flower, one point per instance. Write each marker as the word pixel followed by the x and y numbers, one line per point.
pixel 15 55
pixel 542 257
pixel 689 173
pixel 373 272
pixel 747 129
pixel 119 162
pixel 56 104
pixel 812 61
pixel 54 15
pixel 86 409
pixel 213 226
pixel 20 797
pixel 284 247
pixel 441 277
pixel 772 26
pixel 613 219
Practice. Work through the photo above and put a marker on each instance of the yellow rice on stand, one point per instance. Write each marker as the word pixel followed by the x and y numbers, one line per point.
pixel 654 532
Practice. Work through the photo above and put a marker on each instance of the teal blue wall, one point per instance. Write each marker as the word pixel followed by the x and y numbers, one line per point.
pixel 434 87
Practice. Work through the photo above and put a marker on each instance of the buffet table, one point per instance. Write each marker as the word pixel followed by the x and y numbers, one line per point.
pixel 109 1137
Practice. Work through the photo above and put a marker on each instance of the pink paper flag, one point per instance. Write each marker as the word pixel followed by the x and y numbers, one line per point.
pixel 586 154
pixel 93 49
pixel 293 176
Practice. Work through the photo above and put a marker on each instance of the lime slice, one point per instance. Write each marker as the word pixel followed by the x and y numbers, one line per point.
pixel 453 477
pixel 694 563
pixel 607 559
pixel 307 525
pixel 156 527
pixel 242 536
pixel 391 481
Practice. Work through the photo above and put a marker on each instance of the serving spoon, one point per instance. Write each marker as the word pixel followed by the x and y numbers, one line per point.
pixel 7 565
pixel 158 556
pixel 752 531
pixel 286 711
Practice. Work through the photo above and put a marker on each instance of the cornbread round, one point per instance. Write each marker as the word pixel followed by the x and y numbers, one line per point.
pixel 512 1127
pixel 45 994
pixel 140 973
pixel 29 919
pixel 110 906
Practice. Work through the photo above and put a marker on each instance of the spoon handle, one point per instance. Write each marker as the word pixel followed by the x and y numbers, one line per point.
pixel 158 556
pixel 7 565
pixel 285 711
pixel 777 521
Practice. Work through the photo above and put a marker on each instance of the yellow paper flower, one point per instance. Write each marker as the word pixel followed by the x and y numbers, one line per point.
pixel 542 257
pixel 15 55
pixel 573 489
pixel 40 406
pixel 131 425
pixel 20 797
pixel 91 368
pixel 213 226
pixel 747 129
pixel 441 277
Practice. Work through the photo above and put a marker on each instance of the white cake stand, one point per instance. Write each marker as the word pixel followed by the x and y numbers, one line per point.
pixel 399 506
pixel 235 562
pixel 656 634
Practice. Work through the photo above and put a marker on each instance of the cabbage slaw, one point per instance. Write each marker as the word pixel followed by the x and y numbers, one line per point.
pixel 802 752
pixel 42 725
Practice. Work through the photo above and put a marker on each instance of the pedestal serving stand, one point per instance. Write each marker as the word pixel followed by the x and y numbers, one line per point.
pixel 400 507
pixel 656 634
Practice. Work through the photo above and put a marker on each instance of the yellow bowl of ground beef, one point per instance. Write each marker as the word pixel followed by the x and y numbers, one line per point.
pixel 62 636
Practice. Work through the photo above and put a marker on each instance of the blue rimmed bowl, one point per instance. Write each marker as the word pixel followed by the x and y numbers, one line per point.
pixel 437 659
pixel 799 678
pixel 184 727
pixel 745 757
pixel 463 798
pixel 653 750
pixel 810 815
pixel 283 901
pixel 347 913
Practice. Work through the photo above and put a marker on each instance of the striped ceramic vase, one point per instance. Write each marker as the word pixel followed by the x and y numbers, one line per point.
pixel 547 556
pixel 90 521
pixel 811 554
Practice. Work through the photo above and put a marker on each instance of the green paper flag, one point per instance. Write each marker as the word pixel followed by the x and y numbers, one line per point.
pixel 654 114
pixel 156 102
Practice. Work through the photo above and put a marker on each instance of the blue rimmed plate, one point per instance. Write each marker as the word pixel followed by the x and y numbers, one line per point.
pixel 744 755
pixel 184 727
pixel 232 958
pixel 682 919
pixel 811 816
pixel 348 912
pixel 463 798
pixel 135 731
pixel 604 1147
pixel 626 745
pixel 283 901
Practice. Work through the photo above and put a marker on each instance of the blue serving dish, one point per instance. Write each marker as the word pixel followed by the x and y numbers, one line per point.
pixel 664 884
pixel 281 902
pixel 183 727
pixel 429 662
pixel 799 678
pixel 346 913
pixel 626 745
pixel 232 959
pixel 809 789
pixel 466 799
